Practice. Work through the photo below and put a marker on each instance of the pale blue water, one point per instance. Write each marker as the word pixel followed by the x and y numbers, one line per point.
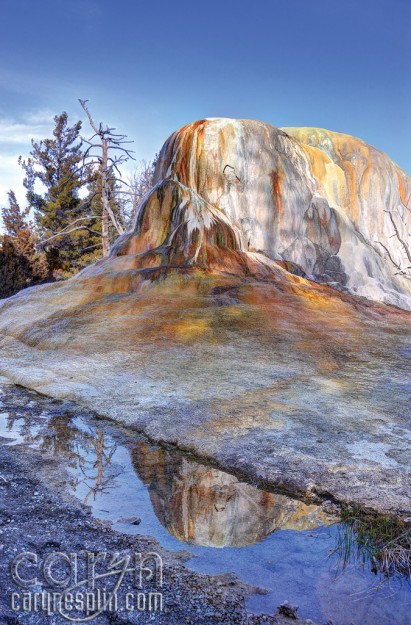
pixel 121 476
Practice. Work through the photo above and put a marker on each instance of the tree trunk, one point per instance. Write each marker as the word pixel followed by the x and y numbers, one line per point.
pixel 105 199
pixel 105 176
pixel 104 234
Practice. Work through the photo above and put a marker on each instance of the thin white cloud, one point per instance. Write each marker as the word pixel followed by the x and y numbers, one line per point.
pixel 43 117
pixel 11 177
pixel 32 125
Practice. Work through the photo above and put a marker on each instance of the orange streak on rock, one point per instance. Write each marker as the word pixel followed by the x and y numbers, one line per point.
pixel 185 151
pixel 277 177
pixel 401 188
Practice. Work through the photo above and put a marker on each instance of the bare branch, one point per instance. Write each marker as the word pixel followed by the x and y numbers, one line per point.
pixel 403 243
pixel 90 247
pixel 128 152
pixel 114 221
pixel 389 255
pixel 65 232
pixel 121 181
pixel 107 162
pixel 84 107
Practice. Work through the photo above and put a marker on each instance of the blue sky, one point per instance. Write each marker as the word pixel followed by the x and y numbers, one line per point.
pixel 150 67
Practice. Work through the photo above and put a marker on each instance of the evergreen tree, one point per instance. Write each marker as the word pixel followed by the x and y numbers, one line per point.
pixel 14 219
pixel 15 271
pixel 21 265
pixel 65 223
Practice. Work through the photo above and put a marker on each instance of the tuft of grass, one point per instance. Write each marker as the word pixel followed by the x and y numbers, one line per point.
pixel 379 542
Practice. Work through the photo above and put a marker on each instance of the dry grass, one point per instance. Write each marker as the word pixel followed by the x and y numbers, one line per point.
pixel 382 543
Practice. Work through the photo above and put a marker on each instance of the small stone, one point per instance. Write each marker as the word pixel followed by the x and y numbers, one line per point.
pixel 133 520
pixel 288 610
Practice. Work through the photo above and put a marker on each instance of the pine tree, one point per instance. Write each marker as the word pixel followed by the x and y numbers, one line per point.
pixel 14 219
pixel 21 265
pixel 15 271
pixel 66 224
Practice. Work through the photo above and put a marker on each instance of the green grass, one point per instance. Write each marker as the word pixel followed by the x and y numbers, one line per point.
pixel 379 542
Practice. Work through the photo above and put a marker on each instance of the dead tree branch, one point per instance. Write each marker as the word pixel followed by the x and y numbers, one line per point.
pixel 106 161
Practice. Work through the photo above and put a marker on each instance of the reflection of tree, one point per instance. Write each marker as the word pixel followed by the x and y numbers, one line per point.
pixel 57 437
pixel 11 423
pixel 88 452
pixel 98 476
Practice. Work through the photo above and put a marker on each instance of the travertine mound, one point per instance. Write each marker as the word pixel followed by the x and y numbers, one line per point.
pixel 232 194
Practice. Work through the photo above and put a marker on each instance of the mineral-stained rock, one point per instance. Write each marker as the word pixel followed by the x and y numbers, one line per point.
pixel 333 206
pixel 372 198
pixel 210 325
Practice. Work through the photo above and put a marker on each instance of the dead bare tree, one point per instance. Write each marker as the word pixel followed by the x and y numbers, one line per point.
pixel 402 269
pixel 99 477
pixel 106 153
pixel 140 183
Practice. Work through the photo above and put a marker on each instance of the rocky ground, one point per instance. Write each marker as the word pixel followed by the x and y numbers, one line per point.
pixel 38 516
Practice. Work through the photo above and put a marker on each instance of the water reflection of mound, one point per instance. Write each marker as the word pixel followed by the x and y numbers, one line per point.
pixel 204 506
